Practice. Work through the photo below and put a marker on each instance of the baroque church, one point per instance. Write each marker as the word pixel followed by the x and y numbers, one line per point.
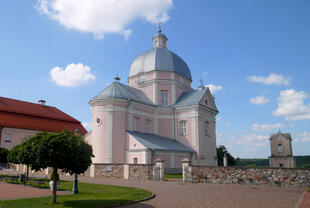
pixel 157 115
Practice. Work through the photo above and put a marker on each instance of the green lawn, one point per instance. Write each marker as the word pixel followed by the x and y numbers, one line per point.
pixel 173 176
pixel 91 195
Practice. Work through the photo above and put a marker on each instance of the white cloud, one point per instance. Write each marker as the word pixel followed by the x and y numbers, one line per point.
pixel 219 118
pixel 305 137
pixel 277 79
pixel 101 17
pixel 213 88
pixel 266 127
pixel 205 74
pixel 291 105
pixel 86 125
pixel 253 140
pixel 73 75
pixel 259 100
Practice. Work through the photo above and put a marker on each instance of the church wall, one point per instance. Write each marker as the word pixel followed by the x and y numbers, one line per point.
pixel 100 135
pixel 190 139
pixel 163 75
pixel 179 92
pixel 139 155
pixel 134 144
pixel 142 115
pixel 148 91
pixel 16 135
pixel 165 127
pixel 207 143
pixel 119 136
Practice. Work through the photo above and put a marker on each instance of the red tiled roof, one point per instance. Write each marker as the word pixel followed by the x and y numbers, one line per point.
pixel 26 115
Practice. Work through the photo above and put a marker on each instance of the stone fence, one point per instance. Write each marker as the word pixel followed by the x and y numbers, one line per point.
pixel 112 170
pixel 128 171
pixel 246 175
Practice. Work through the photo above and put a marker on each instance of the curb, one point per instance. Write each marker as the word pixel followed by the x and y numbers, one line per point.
pixel 300 199
pixel 131 202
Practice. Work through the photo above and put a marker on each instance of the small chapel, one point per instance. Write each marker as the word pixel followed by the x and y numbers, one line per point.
pixel 281 151
pixel 156 115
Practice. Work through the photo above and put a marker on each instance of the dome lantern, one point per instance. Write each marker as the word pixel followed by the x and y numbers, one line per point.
pixel 159 40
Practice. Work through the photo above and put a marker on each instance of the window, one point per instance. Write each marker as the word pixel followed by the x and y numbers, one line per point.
pixel 206 102
pixel 136 123
pixel 281 165
pixel 280 148
pixel 182 80
pixel 206 128
pixel 156 44
pixel 135 160
pixel 7 137
pixel 98 121
pixel 183 130
pixel 164 98
pixel 147 126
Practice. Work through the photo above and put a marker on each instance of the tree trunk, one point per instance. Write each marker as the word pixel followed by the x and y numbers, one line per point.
pixel 27 172
pixel 55 173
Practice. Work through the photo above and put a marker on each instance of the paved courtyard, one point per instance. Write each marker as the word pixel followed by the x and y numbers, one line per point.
pixel 174 194
pixel 14 191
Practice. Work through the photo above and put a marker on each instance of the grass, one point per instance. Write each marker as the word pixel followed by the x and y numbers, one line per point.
pixel 308 190
pixel 91 195
pixel 45 181
pixel 173 176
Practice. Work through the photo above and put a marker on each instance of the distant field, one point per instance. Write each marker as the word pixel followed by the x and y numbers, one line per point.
pixel 301 162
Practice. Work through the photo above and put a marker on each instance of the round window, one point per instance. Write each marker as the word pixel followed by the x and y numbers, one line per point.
pixel 98 121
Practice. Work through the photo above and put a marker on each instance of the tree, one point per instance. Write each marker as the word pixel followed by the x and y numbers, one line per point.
pixel 220 155
pixel 13 156
pixel 3 155
pixel 22 154
pixel 60 151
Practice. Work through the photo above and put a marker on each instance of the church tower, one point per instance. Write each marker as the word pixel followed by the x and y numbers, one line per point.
pixel 281 151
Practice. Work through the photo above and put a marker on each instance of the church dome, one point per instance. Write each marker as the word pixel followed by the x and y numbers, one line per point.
pixel 159 58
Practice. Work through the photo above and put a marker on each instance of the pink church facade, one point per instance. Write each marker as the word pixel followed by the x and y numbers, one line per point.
pixel 158 115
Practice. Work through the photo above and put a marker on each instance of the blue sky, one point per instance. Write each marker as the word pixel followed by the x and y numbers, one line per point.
pixel 255 52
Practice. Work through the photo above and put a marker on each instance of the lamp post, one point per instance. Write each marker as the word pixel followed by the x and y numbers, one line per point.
pixel 75 188
pixel 225 158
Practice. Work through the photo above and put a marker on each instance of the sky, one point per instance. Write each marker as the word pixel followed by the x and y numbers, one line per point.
pixel 253 54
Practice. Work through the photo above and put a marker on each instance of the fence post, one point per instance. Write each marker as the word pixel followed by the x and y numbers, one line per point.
pixel 187 170
pixel 126 171
pixel 159 165
pixel 92 171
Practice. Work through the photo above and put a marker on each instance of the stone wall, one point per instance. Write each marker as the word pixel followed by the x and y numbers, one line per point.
pixel 108 170
pixel 134 171
pixel 248 175
pixel 139 171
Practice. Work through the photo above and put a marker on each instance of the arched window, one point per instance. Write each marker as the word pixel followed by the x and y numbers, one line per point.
pixel 164 98
pixel 280 148
pixel 207 128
